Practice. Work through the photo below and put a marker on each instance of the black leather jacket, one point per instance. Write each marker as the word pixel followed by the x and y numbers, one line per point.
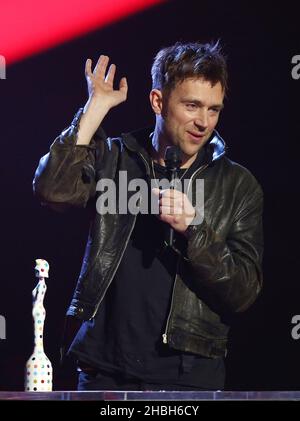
pixel 221 271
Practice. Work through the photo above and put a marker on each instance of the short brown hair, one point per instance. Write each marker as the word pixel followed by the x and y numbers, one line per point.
pixel 189 60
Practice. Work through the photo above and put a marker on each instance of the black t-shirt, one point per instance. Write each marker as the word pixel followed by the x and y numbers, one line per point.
pixel 125 336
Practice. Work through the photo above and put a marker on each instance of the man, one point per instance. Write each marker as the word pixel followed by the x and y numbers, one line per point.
pixel 157 316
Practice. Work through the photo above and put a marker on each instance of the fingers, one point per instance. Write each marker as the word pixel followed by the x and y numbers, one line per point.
pixel 101 66
pixel 169 219
pixel 171 193
pixel 169 205
pixel 168 197
pixel 156 191
pixel 88 68
pixel 100 71
pixel 111 74
pixel 170 210
pixel 123 86
pixel 172 202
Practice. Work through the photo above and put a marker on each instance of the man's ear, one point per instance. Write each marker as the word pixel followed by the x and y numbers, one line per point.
pixel 155 97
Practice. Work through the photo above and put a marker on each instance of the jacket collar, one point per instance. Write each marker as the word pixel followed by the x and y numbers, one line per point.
pixel 138 141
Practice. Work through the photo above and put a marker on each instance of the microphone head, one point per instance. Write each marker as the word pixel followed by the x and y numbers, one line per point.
pixel 173 157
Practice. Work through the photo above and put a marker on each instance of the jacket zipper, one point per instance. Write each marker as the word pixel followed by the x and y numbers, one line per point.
pixel 145 161
pixel 119 261
pixel 116 268
pixel 165 337
pixel 165 334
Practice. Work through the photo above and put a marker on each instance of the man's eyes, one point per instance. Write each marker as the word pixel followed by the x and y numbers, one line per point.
pixel 190 105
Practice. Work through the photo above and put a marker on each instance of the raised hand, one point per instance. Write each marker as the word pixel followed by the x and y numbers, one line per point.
pixel 101 84
pixel 102 97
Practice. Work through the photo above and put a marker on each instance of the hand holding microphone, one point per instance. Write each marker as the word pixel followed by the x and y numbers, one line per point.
pixel 174 206
pixel 173 161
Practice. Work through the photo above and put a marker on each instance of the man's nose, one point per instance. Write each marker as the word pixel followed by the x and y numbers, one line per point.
pixel 202 120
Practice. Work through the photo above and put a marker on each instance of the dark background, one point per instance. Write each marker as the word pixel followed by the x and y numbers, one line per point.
pixel 260 125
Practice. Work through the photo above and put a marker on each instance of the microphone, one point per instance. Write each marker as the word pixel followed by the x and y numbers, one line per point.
pixel 173 161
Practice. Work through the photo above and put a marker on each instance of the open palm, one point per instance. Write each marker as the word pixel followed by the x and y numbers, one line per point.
pixel 101 85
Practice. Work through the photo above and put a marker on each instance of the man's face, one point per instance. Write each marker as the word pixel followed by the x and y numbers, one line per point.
pixel 189 114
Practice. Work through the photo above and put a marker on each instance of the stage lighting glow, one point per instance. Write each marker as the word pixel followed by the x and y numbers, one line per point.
pixel 31 26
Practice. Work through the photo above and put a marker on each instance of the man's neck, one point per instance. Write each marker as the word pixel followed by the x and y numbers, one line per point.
pixel 158 149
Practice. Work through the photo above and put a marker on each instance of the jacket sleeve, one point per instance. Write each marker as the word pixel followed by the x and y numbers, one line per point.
pixel 230 268
pixel 66 175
